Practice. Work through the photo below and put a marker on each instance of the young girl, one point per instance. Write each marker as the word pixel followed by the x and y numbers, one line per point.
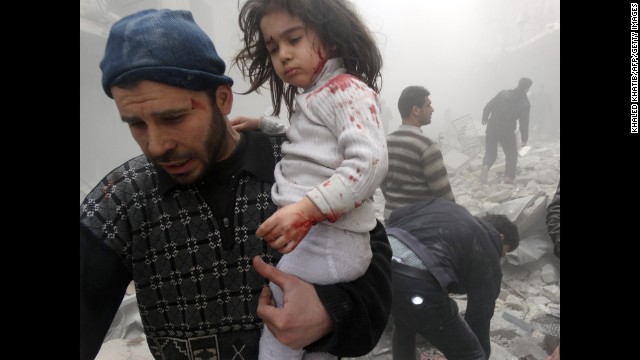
pixel 319 57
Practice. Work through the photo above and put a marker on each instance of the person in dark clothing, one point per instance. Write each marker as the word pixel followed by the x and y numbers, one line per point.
pixel 180 219
pixel 501 115
pixel 439 248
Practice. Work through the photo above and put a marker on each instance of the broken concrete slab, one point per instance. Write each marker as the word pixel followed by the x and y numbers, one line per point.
pixel 547 176
pixel 535 275
pixel 519 323
pixel 474 165
pixel 549 274
pixel 532 187
pixel 455 160
pixel 526 348
pixel 500 196
pixel 530 162
pixel 552 292
pixel 534 248
pixel 500 353
pixel 524 150
pixel 538 300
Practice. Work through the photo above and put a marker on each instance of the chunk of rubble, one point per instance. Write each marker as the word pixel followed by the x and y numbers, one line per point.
pixel 500 353
pixel 538 300
pixel 549 274
pixel 455 161
pixel 552 292
pixel 532 187
pixel 526 348
pixel 500 196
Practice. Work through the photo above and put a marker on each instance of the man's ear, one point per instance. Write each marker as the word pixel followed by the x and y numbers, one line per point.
pixel 224 99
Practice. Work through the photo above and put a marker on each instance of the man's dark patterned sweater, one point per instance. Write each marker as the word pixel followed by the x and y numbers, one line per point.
pixel 189 249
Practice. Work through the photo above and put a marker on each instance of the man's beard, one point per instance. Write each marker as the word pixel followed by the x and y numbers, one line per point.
pixel 214 145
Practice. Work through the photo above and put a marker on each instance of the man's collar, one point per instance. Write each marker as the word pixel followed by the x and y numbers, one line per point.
pixel 251 154
pixel 256 159
pixel 165 182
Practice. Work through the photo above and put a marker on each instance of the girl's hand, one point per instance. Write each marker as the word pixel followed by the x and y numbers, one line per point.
pixel 289 225
pixel 244 122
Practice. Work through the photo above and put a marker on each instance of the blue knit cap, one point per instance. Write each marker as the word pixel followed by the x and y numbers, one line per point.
pixel 165 46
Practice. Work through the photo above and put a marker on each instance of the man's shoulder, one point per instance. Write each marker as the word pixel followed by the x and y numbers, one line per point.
pixel 263 137
pixel 276 139
pixel 136 173
pixel 263 152
pixel 134 168
pixel 505 94
pixel 260 141
pixel 139 161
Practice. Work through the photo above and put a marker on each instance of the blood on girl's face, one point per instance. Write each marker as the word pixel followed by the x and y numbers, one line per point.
pixel 297 54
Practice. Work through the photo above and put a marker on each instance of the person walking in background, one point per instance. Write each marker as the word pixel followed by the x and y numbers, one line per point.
pixel 320 58
pixel 180 219
pixel 501 115
pixel 439 248
pixel 416 168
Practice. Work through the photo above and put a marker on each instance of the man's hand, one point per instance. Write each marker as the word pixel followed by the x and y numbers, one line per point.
pixel 289 225
pixel 302 319
pixel 245 122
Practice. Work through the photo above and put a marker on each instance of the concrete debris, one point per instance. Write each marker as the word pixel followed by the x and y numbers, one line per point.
pixel 529 250
pixel 527 348
pixel 538 300
pixel 535 276
pixel 549 274
pixel 554 309
pixel 455 161
pixel 522 325
pixel 503 294
pixel 548 176
pixel 500 353
pixel 500 196
pixel 547 324
pixel 552 292
pixel 532 187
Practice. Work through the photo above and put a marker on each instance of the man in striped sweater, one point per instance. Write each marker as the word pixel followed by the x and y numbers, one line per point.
pixel 416 168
